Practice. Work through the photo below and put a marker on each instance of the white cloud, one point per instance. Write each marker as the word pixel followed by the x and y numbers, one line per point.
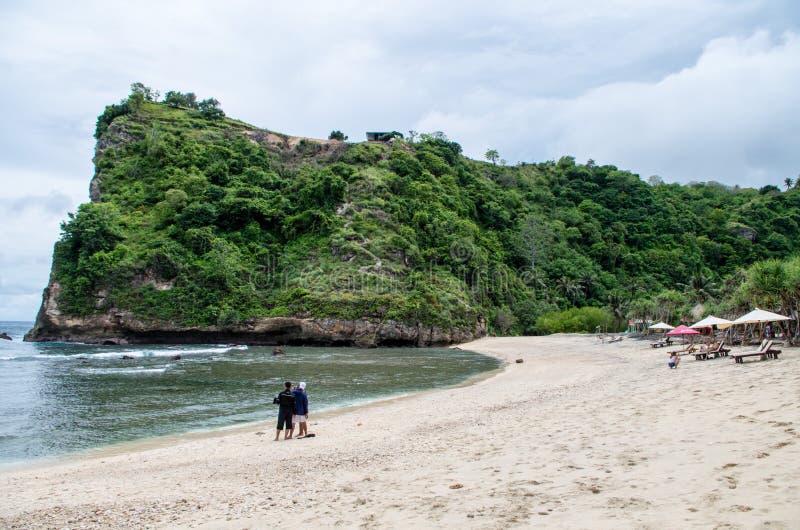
pixel 728 117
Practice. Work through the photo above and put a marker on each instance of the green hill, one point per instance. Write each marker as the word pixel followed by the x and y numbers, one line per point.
pixel 206 229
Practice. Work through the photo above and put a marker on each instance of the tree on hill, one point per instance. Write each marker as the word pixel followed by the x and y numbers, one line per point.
pixel 337 135
pixel 177 99
pixel 492 156
pixel 210 109
pixel 146 92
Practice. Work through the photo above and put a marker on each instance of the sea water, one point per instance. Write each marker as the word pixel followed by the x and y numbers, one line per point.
pixel 57 398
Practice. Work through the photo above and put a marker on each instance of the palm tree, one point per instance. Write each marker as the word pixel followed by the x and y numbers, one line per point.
pixel 765 281
pixel 636 286
pixel 641 308
pixel 776 284
pixel 587 282
pixel 788 182
pixel 700 287
pixel 568 288
pixel 792 307
pixel 666 303
pixel 618 306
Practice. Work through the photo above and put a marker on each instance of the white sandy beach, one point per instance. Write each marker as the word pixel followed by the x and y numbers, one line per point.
pixel 580 435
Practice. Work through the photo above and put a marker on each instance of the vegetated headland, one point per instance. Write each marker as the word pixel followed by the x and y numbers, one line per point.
pixel 205 229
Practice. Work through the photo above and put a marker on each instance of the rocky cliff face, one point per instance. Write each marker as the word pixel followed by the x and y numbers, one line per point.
pixel 122 327
pixel 204 230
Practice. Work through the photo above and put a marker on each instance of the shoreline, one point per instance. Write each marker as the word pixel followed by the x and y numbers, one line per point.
pixel 581 434
pixel 155 442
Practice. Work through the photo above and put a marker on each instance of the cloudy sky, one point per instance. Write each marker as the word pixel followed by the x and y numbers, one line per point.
pixel 690 90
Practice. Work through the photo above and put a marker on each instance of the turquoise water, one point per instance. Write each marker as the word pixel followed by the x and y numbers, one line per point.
pixel 57 398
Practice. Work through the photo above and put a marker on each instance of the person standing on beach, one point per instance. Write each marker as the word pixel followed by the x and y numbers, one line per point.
pixel 286 402
pixel 300 410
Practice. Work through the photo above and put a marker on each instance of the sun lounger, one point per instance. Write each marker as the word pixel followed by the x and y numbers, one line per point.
pixel 689 349
pixel 765 352
pixel 713 353
pixel 772 353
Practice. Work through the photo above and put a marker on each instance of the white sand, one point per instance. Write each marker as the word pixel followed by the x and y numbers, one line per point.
pixel 581 435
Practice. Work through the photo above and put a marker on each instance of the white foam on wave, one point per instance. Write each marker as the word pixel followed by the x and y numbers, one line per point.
pixel 137 370
pixel 117 353
pixel 212 349
pixel 31 356
pixel 168 352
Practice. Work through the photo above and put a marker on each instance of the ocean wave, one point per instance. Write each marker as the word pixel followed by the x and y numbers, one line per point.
pixel 118 353
pixel 136 370
pixel 31 356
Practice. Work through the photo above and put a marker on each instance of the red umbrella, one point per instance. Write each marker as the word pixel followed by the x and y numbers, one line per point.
pixel 683 330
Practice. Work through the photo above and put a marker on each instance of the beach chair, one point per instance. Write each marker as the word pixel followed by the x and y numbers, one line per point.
pixel 765 351
pixel 688 349
pixel 772 352
pixel 717 351
pixel 702 354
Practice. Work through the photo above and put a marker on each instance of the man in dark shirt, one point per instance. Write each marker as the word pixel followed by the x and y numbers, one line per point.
pixel 286 402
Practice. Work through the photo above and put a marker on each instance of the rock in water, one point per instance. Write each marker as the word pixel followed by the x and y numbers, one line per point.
pixel 5 336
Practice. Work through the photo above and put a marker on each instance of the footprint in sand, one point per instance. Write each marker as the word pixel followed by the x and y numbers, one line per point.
pixel 712 498
pixel 731 480
pixel 635 503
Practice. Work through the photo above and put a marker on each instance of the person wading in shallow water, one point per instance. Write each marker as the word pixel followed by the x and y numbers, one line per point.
pixel 285 401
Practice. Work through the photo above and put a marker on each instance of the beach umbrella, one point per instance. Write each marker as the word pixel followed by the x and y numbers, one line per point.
pixel 711 321
pixel 759 316
pixel 683 331
pixel 661 326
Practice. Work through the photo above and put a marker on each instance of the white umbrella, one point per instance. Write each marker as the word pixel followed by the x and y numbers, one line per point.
pixel 759 316
pixel 661 325
pixel 710 321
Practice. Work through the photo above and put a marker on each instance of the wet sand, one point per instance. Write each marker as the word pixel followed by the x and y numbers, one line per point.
pixel 581 434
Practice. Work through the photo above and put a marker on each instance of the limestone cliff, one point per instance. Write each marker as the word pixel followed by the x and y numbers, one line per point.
pixel 214 231
pixel 122 327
